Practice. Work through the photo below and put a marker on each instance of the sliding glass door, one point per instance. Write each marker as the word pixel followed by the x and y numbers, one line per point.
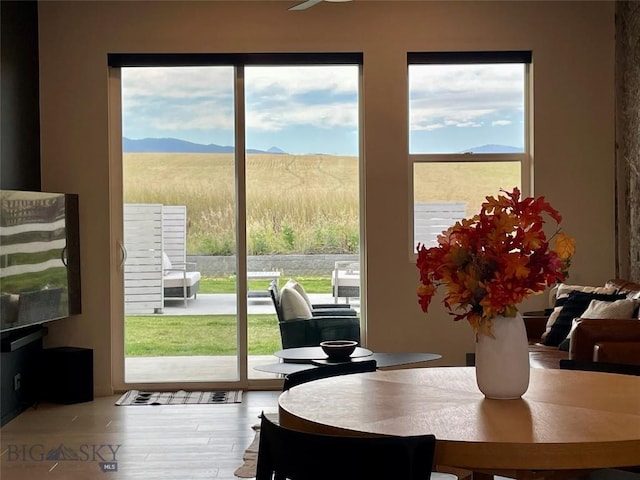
pixel 234 155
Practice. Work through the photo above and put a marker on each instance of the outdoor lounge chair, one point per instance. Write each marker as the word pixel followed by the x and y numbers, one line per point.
pixel 178 280
pixel 301 327
pixel 345 280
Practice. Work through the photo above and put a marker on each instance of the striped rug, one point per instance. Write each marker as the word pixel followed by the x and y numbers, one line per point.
pixel 181 397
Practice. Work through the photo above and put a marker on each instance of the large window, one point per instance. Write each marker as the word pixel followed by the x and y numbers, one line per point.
pixel 468 134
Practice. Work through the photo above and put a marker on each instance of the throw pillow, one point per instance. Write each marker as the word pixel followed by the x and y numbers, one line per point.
pixel 624 308
pixel 291 283
pixel 574 306
pixel 293 305
pixel 558 295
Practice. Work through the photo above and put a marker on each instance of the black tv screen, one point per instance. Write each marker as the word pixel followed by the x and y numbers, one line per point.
pixel 39 258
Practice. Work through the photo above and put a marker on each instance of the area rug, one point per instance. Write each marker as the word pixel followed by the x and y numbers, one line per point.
pixel 181 397
pixel 250 457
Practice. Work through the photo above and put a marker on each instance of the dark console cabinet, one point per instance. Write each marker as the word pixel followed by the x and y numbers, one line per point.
pixel 20 365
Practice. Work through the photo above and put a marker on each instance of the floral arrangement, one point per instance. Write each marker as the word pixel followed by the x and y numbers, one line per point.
pixel 491 262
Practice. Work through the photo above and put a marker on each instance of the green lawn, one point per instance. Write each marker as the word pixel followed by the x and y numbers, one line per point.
pixel 167 335
pixel 156 336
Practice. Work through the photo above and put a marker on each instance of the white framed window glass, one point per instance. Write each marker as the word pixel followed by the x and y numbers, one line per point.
pixel 468 134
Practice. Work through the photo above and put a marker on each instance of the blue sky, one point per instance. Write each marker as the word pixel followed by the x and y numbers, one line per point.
pixel 313 109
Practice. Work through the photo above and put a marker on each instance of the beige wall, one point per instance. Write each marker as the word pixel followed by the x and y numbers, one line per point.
pixel 573 111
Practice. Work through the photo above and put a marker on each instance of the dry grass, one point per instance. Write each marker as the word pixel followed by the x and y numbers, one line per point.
pixel 295 203
pixel 467 182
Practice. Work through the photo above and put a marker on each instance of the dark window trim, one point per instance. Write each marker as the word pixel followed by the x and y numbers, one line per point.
pixel 507 56
pixel 213 59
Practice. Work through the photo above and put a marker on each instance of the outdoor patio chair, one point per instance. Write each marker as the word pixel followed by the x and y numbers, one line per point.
pixel 285 453
pixel 345 280
pixel 178 280
pixel 299 327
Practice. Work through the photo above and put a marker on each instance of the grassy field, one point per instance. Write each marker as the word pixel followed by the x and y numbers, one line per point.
pixel 295 203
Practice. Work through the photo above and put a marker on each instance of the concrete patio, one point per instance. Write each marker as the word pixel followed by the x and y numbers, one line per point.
pixel 225 304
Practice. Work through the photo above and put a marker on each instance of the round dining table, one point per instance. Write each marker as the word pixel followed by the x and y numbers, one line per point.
pixel 567 421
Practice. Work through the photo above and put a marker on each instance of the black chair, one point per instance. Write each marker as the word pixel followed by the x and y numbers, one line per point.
pixel 298 455
pixel 309 332
pixel 303 376
pixel 623 368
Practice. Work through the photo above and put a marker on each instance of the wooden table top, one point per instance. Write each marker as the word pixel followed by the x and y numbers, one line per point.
pixel 566 420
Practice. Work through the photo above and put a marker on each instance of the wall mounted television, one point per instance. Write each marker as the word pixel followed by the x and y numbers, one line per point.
pixel 39 258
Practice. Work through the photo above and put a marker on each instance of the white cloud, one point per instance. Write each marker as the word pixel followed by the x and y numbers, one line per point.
pixel 337 79
pixel 294 113
pixel 187 98
pixel 464 95
pixel 175 83
pixel 501 123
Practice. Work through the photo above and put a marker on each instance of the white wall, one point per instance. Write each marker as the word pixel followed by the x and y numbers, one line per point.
pixel 573 113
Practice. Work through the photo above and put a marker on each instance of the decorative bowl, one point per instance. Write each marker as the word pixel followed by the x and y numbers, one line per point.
pixel 338 349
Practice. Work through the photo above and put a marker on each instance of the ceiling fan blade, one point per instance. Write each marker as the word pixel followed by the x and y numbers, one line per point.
pixel 306 4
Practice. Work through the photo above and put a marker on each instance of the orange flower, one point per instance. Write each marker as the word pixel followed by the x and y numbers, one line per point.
pixel 493 261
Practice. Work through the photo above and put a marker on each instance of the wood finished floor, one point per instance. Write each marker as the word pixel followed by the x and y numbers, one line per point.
pixel 176 442
pixel 156 442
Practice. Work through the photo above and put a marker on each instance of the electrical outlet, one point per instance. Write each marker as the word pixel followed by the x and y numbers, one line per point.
pixel 16 381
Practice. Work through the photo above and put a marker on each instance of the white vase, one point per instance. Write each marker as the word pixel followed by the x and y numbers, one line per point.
pixel 502 363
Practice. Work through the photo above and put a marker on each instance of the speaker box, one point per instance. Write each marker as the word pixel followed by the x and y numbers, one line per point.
pixel 67 375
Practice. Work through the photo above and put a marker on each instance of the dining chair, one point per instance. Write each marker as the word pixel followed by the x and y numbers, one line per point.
pixel 285 453
pixel 325 371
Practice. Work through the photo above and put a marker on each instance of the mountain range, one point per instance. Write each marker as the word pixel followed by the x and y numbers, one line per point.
pixel 493 148
pixel 174 145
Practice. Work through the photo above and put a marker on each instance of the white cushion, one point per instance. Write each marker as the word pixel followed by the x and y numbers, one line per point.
pixel 291 283
pixel 346 279
pixel 176 279
pixel 601 309
pixel 166 263
pixel 293 305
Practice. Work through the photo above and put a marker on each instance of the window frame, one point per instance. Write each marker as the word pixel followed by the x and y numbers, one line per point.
pixel 525 158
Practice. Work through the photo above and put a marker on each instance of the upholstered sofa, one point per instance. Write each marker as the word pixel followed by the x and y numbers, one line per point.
pixel 600 339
